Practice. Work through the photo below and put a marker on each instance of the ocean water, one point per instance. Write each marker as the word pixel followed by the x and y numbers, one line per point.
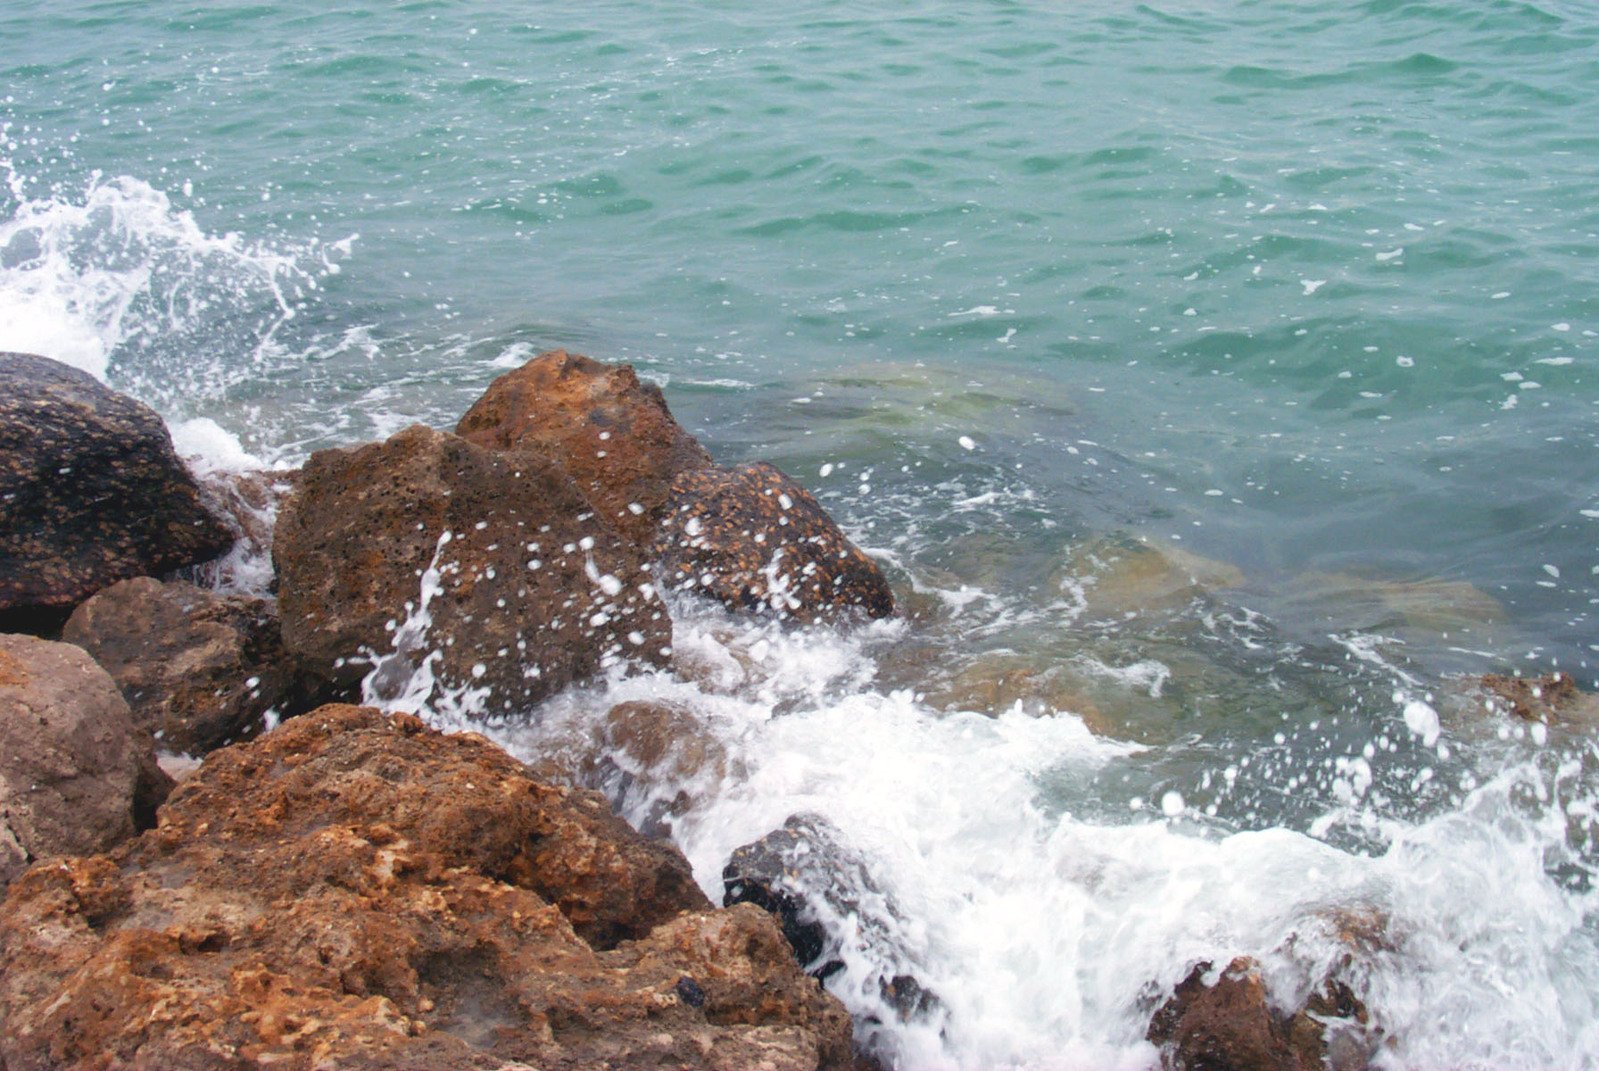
pixel 1216 379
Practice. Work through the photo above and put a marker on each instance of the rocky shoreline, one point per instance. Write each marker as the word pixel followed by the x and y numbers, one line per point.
pixel 328 885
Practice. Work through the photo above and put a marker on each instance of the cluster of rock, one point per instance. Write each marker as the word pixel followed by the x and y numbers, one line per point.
pixel 353 889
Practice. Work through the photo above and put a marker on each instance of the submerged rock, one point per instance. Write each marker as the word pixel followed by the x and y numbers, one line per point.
pixel 75 776
pixel 491 570
pixel 357 891
pixel 1553 699
pixel 650 759
pixel 835 917
pixel 1118 577
pixel 612 434
pixel 754 539
pixel 91 492
pixel 1230 1024
pixel 198 669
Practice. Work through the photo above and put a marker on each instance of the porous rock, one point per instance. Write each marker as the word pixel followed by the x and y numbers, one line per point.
pixel 357 891
pixel 1553 699
pixel 75 776
pixel 1230 1024
pixel 492 568
pixel 649 759
pixel 91 492
pixel 198 669
pixel 756 540
pixel 612 433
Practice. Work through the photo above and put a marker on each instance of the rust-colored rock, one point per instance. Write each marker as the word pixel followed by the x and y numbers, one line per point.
pixel 756 540
pixel 357 891
pixel 527 590
pixel 198 669
pixel 613 434
pixel 1553 699
pixel 75 775
pixel 91 492
pixel 1231 1025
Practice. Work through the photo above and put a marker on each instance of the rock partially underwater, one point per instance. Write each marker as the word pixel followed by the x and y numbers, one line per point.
pixel 357 891
pixel 91 492
pixel 755 540
pixel 492 569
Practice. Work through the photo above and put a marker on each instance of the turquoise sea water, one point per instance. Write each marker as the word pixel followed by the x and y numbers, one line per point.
pixel 1308 291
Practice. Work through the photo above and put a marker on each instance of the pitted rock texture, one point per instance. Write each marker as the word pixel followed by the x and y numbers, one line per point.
pixel 527 590
pixel 199 670
pixel 357 891
pixel 1231 1025
pixel 91 492
pixel 75 775
pixel 613 434
pixel 755 540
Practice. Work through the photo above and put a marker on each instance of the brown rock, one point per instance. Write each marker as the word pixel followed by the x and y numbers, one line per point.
pixel 355 891
pixel 613 434
pixel 1232 1026
pixel 199 670
pixel 91 492
pixel 756 540
pixel 649 759
pixel 75 776
pixel 532 590
pixel 1553 699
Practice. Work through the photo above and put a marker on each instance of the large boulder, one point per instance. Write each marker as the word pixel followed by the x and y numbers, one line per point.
pixel 75 776
pixel 91 492
pixel 755 540
pixel 490 570
pixel 613 434
pixel 1229 1023
pixel 357 891
pixel 198 669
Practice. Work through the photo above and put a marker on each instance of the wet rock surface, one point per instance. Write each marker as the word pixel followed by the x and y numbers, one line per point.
pixel 755 540
pixel 91 492
pixel 832 912
pixel 1553 699
pixel 1230 1024
pixel 525 589
pixel 358 891
pixel 613 434
pixel 198 669
pixel 649 759
pixel 75 776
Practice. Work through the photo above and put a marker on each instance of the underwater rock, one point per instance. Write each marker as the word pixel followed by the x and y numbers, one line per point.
pixel 754 539
pixel 1553 699
pixel 648 757
pixel 1118 577
pixel 75 775
pixel 91 492
pixel 1231 1025
pixel 612 434
pixel 358 891
pixel 832 912
pixel 489 570
pixel 199 670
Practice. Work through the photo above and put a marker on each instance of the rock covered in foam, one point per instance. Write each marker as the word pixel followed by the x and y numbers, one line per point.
pixel 198 669
pixel 525 589
pixel 1231 1024
pixel 91 492
pixel 613 434
pixel 75 776
pixel 357 891
pixel 754 539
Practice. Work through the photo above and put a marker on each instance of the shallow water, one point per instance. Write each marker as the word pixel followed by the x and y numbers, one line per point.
pixel 1217 377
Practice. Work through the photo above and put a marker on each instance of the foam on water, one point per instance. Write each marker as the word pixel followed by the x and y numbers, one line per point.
pixel 1047 938
pixel 116 280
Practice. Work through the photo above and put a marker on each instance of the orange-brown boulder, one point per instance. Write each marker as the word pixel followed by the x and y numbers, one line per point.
pixel 612 433
pixel 755 540
pixel 357 891
pixel 1231 1025
pixel 491 569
